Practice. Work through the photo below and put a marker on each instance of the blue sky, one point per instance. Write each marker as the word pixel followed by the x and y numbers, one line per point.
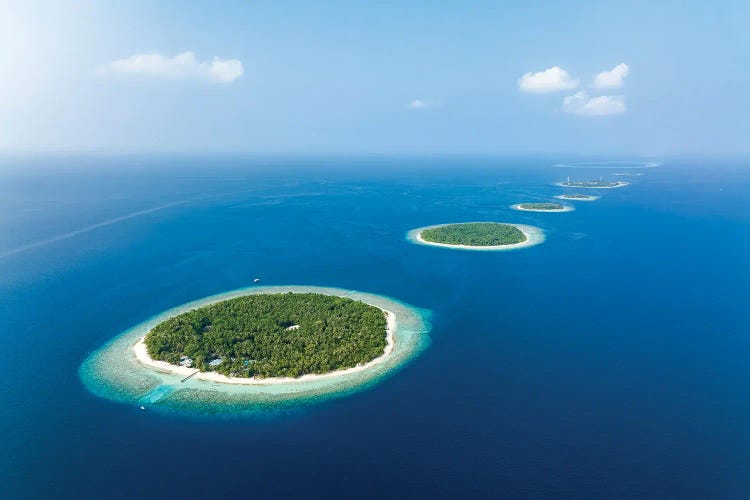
pixel 377 77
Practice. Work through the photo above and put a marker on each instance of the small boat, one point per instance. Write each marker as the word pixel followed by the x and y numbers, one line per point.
pixel 143 407
pixel 256 280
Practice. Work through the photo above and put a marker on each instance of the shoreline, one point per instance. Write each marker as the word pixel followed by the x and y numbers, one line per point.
pixel 141 355
pixel 588 198
pixel 566 208
pixel 533 234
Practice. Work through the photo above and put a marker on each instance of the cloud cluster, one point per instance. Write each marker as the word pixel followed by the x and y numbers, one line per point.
pixel 550 80
pixel 613 78
pixel 182 66
pixel 417 104
pixel 555 79
pixel 581 103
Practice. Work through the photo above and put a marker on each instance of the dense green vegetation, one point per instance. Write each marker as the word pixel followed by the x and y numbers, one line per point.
pixel 541 206
pixel 474 234
pixel 592 184
pixel 272 335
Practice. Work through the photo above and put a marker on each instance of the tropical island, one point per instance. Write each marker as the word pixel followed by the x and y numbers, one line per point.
pixel 542 207
pixel 477 236
pixel 593 184
pixel 257 349
pixel 577 197
pixel 272 335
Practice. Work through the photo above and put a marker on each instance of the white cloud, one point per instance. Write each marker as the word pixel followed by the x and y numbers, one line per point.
pixel 581 103
pixel 183 65
pixel 612 79
pixel 417 104
pixel 549 80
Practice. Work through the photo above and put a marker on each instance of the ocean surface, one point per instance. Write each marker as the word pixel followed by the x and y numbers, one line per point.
pixel 610 361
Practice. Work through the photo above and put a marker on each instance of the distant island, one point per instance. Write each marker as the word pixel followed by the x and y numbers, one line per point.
pixel 542 207
pixel 577 197
pixel 478 236
pixel 271 335
pixel 594 184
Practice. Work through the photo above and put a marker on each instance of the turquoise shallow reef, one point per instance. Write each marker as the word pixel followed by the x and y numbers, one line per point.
pixel 114 372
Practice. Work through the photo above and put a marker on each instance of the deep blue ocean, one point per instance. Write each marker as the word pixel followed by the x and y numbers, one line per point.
pixel 611 361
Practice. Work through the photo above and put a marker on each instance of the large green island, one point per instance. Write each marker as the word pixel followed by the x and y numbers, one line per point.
pixel 477 236
pixel 542 207
pixel 257 349
pixel 272 335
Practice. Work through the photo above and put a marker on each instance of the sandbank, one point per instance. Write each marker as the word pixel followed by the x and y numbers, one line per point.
pixel 569 198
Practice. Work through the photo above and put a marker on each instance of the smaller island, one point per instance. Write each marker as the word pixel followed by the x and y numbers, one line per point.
pixel 478 236
pixel 592 184
pixel 542 207
pixel 577 197
pixel 475 234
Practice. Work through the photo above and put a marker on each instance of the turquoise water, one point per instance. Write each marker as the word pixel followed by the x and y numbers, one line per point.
pixel 610 361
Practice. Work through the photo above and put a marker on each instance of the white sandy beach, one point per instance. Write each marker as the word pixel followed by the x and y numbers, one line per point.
pixel 517 206
pixel 534 236
pixel 567 197
pixel 141 354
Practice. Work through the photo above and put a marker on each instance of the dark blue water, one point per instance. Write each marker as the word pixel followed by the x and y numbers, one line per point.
pixel 610 361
